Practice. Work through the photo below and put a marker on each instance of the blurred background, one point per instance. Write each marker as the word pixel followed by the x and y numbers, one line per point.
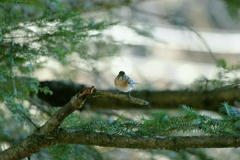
pixel 161 44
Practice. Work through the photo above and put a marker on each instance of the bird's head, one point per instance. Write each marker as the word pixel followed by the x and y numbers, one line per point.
pixel 121 73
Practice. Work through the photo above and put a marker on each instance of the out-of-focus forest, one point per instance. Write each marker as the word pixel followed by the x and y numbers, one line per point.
pixel 184 55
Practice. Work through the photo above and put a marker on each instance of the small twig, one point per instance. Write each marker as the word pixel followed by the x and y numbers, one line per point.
pixel 203 41
pixel 123 97
pixel 29 119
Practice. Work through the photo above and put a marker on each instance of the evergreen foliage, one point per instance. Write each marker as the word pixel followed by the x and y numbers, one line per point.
pixel 233 7
pixel 28 39
pixel 160 124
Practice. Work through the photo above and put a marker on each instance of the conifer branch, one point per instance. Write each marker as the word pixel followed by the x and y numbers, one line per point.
pixel 157 142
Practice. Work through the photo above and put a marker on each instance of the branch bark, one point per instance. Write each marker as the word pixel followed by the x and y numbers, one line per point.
pixel 132 100
pixel 158 142
pixel 119 141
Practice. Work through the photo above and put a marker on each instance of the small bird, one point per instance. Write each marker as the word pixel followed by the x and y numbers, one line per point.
pixel 124 83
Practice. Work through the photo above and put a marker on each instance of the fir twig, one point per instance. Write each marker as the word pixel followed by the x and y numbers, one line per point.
pixel 29 119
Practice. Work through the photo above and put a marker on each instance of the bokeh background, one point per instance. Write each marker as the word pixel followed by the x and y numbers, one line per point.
pixel 161 44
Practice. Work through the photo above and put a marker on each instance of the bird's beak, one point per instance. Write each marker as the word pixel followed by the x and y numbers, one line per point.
pixel 119 76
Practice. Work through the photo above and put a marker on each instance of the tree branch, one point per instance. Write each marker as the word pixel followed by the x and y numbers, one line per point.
pixel 158 142
pixel 133 100
pixel 121 141
pixel 76 102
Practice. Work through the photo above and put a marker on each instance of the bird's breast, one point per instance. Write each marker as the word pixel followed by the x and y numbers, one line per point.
pixel 121 82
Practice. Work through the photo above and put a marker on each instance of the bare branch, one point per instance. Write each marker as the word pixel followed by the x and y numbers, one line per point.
pixel 76 102
pixel 123 97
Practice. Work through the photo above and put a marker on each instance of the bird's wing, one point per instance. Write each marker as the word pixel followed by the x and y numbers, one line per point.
pixel 130 81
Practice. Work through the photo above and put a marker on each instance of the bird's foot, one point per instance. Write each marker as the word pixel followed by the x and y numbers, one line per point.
pixel 129 96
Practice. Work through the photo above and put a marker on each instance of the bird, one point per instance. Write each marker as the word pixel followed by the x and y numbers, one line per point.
pixel 124 83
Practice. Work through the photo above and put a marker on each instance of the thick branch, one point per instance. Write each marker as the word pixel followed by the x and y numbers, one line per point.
pixel 205 100
pixel 76 102
pixel 163 142
pixel 119 141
